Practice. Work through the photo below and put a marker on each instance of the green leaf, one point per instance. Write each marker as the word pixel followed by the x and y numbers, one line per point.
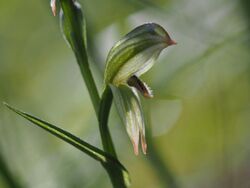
pixel 107 160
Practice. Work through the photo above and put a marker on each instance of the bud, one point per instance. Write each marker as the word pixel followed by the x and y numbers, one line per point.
pixel 129 58
pixel 73 25
pixel 53 6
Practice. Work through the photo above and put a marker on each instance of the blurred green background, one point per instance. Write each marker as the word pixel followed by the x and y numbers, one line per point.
pixel 200 116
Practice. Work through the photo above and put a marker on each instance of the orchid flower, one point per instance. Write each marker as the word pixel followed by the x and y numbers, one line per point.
pixel 128 59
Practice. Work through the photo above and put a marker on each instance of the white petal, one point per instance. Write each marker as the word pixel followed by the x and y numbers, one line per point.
pixel 129 108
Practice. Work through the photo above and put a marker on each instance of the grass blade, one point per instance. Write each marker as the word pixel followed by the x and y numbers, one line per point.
pixel 106 159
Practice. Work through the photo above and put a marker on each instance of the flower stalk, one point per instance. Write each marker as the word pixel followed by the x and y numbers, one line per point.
pixel 105 105
pixel 73 27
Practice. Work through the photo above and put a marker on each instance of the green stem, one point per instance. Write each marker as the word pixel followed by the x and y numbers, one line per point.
pixel 105 105
pixel 75 38
pixel 76 41
pixel 116 175
pixel 89 81
pixel 72 27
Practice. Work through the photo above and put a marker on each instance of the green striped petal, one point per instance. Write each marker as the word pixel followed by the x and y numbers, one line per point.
pixel 129 108
pixel 135 53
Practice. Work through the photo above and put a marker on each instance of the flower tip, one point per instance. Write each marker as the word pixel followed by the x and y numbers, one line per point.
pixel 171 42
pixel 53 7
pixel 135 146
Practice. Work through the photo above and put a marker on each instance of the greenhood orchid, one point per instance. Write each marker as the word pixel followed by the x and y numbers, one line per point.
pixel 128 59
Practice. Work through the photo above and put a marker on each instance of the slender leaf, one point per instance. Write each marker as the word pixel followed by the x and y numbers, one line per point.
pixel 106 159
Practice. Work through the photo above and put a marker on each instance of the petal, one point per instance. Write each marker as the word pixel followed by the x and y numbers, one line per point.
pixel 139 64
pixel 135 53
pixel 143 143
pixel 130 111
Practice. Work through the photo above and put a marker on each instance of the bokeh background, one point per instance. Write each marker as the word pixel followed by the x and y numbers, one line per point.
pixel 199 118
